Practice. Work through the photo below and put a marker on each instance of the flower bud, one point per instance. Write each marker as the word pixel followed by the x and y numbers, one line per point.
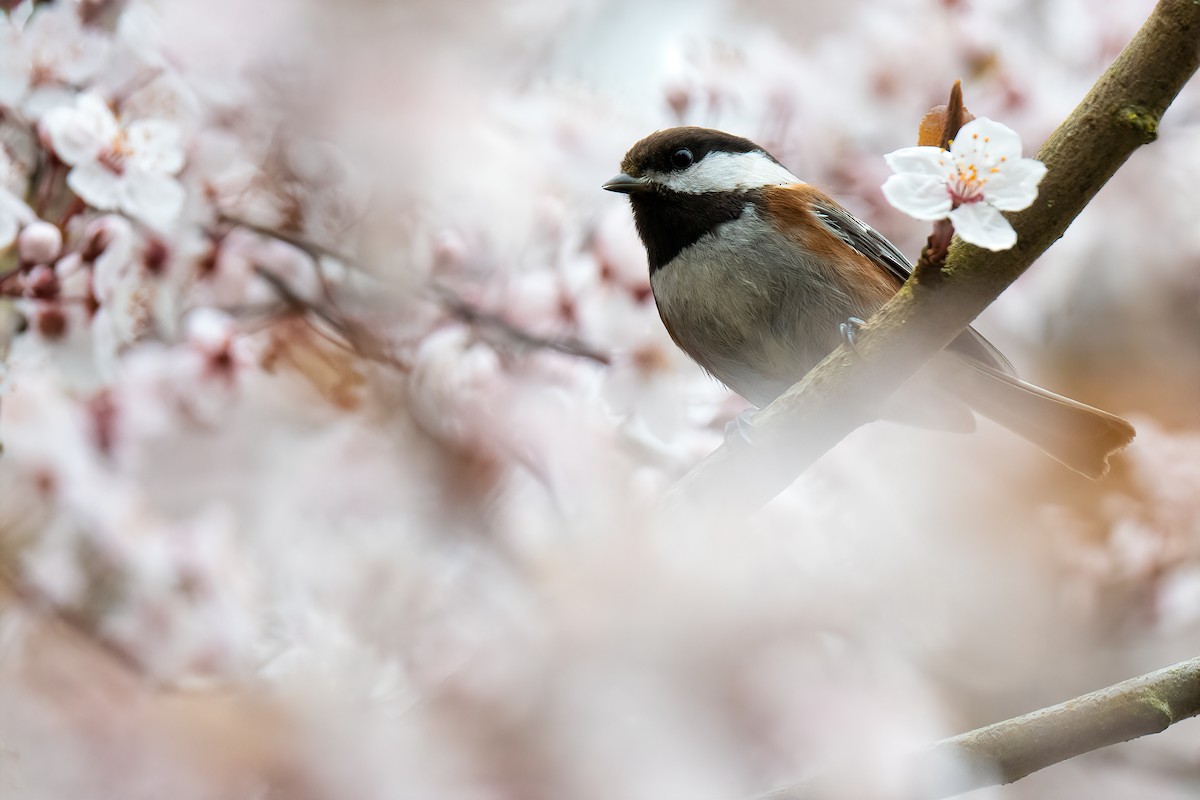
pixel 51 322
pixel 39 243
pixel 42 282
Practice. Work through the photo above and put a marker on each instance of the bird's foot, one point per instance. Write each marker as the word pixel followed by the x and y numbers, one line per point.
pixel 740 429
pixel 849 331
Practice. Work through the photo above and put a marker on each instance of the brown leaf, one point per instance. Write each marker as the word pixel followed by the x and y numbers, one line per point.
pixel 330 370
pixel 934 130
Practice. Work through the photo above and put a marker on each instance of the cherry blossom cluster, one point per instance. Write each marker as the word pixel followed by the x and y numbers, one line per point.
pixel 130 296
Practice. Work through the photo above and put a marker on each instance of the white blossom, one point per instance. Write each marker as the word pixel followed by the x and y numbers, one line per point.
pixel 981 175
pixel 42 62
pixel 118 165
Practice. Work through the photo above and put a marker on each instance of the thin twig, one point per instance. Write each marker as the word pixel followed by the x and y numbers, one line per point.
pixel 454 305
pixel 357 337
pixel 313 249
pixel 464 311
pixel 34 602
pixel 1008 751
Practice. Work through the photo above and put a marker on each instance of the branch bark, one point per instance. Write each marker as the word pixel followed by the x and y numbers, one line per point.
pixel 1118 115
pixel 1008 751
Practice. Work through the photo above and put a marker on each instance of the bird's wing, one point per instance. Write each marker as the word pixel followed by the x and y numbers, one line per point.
pixel 863 238
pixel 870 243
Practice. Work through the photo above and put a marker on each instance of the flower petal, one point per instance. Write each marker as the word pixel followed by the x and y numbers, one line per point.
pixel 95 184
pixel 15 72
pixel 984 226
pixel 15 207
pixel 1015 184
pixel 43 99
pixel 95 114
pixel 919 196
pixel 8 229
pixel 920 161
pixel 77 133
pixel 987 138
pixel 152 197
pixel 72 142
pixel 154 146
pixel 58 38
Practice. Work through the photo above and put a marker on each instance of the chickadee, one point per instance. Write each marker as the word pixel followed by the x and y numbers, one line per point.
pixel 755 273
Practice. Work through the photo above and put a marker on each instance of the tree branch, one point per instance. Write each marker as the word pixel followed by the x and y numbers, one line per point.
pixel 455 306
pixel 1119 114
pixel 1008 751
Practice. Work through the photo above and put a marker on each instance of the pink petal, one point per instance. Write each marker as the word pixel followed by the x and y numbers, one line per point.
pixel 13 206
pixel 95 115
pixel 155 146
pixel 41 100
pixel 95 184
pixel 14 73
pixel 152 197
pixel 73 140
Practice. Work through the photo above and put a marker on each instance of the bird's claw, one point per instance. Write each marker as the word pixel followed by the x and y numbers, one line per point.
pixel 741 427
pixel 849 331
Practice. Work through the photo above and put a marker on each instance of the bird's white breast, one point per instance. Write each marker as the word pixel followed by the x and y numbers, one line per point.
pixel 749 306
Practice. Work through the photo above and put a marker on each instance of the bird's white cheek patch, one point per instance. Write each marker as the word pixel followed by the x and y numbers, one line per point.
pixel 727 172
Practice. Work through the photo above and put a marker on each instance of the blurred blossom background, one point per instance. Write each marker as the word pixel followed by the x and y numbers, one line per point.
pixel 335 411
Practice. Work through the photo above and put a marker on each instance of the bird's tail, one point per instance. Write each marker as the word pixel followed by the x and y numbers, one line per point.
pixel 1075 434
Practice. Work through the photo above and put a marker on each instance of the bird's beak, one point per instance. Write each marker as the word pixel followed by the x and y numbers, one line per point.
pixel 627 184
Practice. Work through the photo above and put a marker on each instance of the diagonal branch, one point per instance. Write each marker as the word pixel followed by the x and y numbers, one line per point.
pixel 1008 751
pixel 1119 114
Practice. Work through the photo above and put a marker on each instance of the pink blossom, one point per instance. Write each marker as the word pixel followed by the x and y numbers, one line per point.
pixel 42 62
pixel 117 165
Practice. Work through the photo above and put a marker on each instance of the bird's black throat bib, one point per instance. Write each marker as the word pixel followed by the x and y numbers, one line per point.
pixel 670 221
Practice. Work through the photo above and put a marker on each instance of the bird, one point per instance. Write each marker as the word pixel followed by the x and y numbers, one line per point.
pixel 757 274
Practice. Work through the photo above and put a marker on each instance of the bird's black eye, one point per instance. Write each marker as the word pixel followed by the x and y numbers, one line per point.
pixel 682 158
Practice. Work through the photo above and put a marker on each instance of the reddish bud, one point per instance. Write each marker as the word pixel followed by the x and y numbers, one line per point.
pixel 95 243
pixel 41 282
pixel 678 100
pixel 51 322
pixel 102 412
pixel 155 255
